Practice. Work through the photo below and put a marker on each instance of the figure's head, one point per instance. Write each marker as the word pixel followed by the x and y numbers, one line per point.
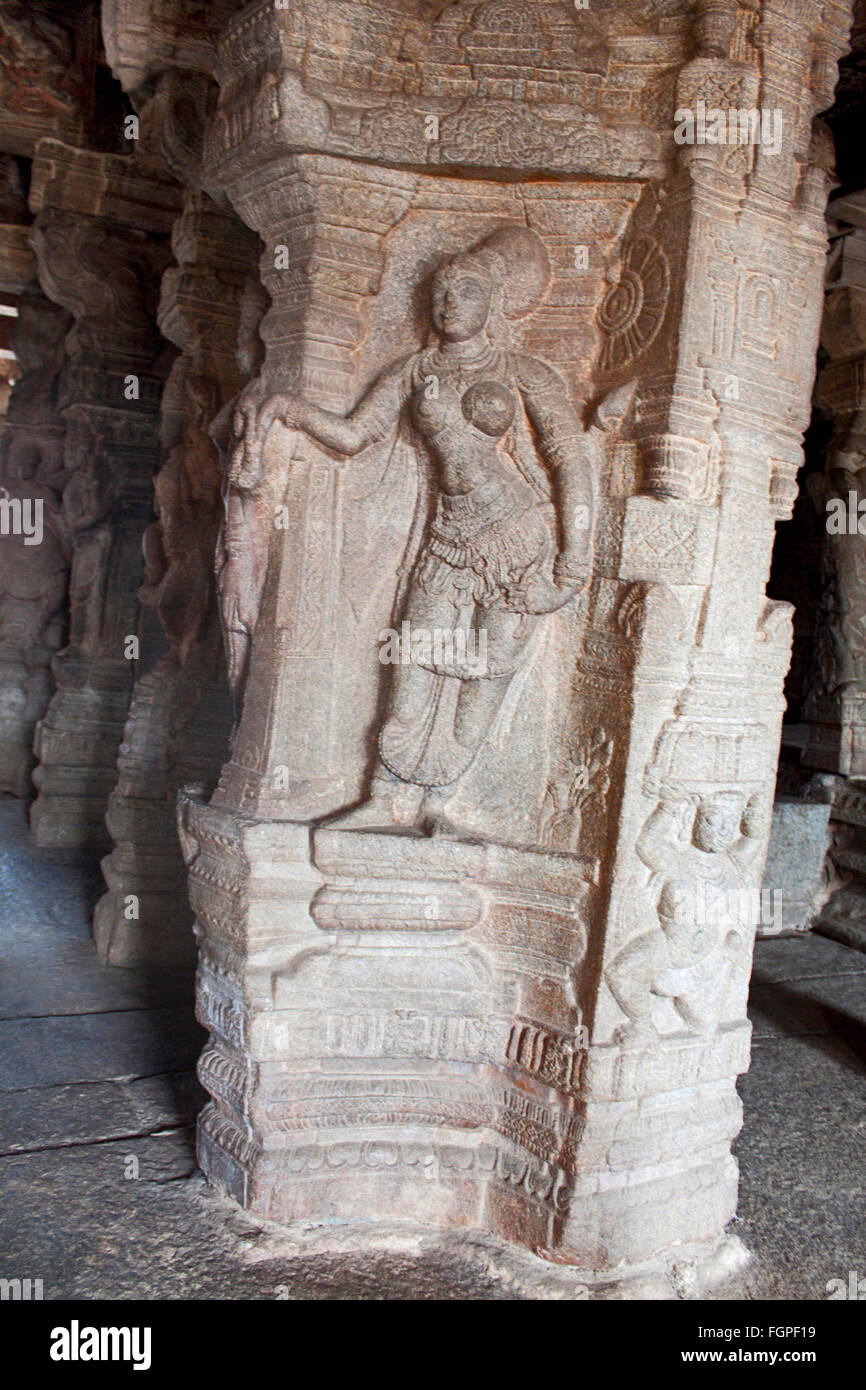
pixel 460 303
pixel 717 821
pixel 504 275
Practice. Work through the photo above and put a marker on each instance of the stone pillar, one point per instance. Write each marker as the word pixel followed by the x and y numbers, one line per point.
pixel 476 922
pixel 180 714
pixel 46 89
pixel 835 706
pixel 35 550
pixel 34 566
pixel 100 239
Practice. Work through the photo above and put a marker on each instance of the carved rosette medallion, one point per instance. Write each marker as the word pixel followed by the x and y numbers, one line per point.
pixel 633 309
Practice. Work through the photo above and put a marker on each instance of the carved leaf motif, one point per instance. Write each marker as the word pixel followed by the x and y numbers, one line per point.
pixel 569 796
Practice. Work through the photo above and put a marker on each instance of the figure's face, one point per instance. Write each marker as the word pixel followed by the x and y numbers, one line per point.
pixel 716 824
pixel 461 305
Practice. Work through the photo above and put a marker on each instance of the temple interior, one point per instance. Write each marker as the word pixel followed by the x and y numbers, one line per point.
pixel 432 648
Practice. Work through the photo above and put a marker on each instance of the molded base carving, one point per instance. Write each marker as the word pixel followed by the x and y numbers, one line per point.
pixel 394 1033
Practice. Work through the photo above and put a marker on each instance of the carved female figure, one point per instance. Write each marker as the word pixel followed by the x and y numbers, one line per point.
pixel 509 537
pixel 87 502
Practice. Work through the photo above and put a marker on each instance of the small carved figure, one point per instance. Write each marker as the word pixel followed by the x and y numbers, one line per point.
pixel 509 539
pixel 247 520
pixel 179 546
pixel 36 63
pixel 689 954
pixel 87 503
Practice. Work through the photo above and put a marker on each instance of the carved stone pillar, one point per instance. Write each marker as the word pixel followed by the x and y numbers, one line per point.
pixel 835 706
pixel 476 920
pixel 180 713
pixel 34 561
pixel 835 703
pixel 100 240
pixel 35 552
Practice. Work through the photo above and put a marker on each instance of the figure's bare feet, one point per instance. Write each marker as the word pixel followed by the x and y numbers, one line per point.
pixel 634 1034
pixel 390 806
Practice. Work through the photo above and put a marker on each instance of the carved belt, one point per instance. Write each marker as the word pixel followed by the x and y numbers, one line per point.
pixel 460 518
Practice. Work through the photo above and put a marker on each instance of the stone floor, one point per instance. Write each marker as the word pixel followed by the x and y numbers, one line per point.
pixel 99 1195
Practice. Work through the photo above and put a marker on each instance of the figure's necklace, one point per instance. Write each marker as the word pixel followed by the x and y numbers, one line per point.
pixel 462 367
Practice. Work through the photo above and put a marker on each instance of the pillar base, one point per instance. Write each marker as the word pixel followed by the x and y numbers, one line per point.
pixel 387 1260
pixel 177 731
pixel 144 919
pixel 395 1034
pixel 76 744
pixel 26 684
pixel 837 734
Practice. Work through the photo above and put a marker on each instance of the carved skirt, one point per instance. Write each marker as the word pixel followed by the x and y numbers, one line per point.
pixel 482 543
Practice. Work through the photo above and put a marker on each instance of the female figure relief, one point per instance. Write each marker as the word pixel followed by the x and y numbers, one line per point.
pixel 510 537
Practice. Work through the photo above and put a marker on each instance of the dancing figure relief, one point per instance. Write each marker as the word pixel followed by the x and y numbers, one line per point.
pixel 508 535
pixel 698 936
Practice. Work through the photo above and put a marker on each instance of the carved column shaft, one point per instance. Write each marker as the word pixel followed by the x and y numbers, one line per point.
pixel 488 994
pixel 100 242
pixel 180 713
pixel 835 705
pixel 34 547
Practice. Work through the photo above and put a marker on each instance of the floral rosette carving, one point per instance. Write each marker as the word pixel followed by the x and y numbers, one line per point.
pixel 633 309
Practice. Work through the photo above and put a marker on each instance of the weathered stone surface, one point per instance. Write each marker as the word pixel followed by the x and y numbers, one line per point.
pixel 142 38
pixel 489 454
pixel 94 259
pixel 99 1206
pixel 35 547
pixel 47 60
pixel 549 412
pixel 179 719
pixel 797 879
pixel 836 700
pixel 57 1116
pixel 159 1235
pixel 844 914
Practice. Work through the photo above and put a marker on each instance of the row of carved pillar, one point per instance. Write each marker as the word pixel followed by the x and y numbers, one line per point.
pixel 131 335
pixel 834 703
pixel 496 1015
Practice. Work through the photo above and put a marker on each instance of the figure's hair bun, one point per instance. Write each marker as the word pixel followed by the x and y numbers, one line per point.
pixel 524 270
pixel 515 261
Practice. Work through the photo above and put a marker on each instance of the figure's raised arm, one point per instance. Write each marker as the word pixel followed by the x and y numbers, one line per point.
pixel 657 843
pixel 257 412
pixel 754 831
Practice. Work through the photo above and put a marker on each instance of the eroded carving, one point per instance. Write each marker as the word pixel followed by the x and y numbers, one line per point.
pixel 701 851
pixel 510 531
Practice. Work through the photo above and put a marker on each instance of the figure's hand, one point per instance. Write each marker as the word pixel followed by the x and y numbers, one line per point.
pixel 571 570
pixel 245 463
pixel 537 593
pixel 255 414
pixel 289 410
pixel 671 796
pixel 754 816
